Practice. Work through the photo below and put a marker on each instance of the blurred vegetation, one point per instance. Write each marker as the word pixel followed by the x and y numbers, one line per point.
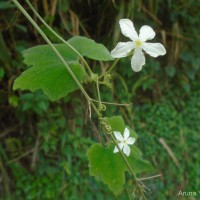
pixel 43 143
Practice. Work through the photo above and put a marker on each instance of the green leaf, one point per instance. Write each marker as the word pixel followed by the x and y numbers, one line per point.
pixel 48 73
pixel 136 161
pixel 89 48
pixel 107 167
pixel 117 124
pixel 110 168
pixel 44 55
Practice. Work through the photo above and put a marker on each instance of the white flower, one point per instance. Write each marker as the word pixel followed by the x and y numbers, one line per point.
pixel 137 43
pixel 124 141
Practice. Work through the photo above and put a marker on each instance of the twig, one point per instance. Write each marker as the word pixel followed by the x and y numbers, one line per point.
pixel 169 151
pixel 112 103
pixel 35 152
pixel 150 177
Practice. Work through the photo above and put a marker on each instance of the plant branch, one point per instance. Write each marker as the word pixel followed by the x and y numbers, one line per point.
pixel 59 37
pixel 90 101
pixel 150 177
pixel 52 47
pixel 115 104
pixel 111 68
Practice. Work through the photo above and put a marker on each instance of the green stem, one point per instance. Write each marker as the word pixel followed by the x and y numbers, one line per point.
pixel 98 93
pixel 111 68
pixel 100 108
pixel 115 104
pixel 58 54
pixel 75 79
pixel 113 65
pixel 129 167
pixel 59 37
pixel 53 48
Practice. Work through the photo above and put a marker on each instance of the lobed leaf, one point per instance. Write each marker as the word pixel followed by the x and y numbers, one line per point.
pixel 110 167
pixel 48 72
pixel 107 167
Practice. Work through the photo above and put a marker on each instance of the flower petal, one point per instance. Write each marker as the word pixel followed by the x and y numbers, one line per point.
pixel 131 140
pixel 115 149
pixel 138 60
pixel 118 136
pixel 121 145
pixel 127 150
pixel 122 49
pixel 128 29
pixel 126 133
pixel 146 33
pixel 154 49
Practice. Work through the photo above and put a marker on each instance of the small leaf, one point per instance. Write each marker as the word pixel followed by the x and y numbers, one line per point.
pixel 89 48
pixel 117 124
pixel 48 72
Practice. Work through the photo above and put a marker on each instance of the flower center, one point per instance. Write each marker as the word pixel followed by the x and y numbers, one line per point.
pixel 125 141
pixel 138 43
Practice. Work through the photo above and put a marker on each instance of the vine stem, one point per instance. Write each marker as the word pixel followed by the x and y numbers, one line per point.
pixel 76 80
pixel 111 68
pixel 90 100
pixel 115 104
pixel 70 46
pixel 53 48
pixel 59 37
pixel 114 64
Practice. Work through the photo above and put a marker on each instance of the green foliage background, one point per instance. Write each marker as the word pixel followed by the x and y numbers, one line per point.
pixel 43 144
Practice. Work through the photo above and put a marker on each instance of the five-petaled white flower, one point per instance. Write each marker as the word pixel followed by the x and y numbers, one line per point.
pixel 137 43
pixel 124 141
